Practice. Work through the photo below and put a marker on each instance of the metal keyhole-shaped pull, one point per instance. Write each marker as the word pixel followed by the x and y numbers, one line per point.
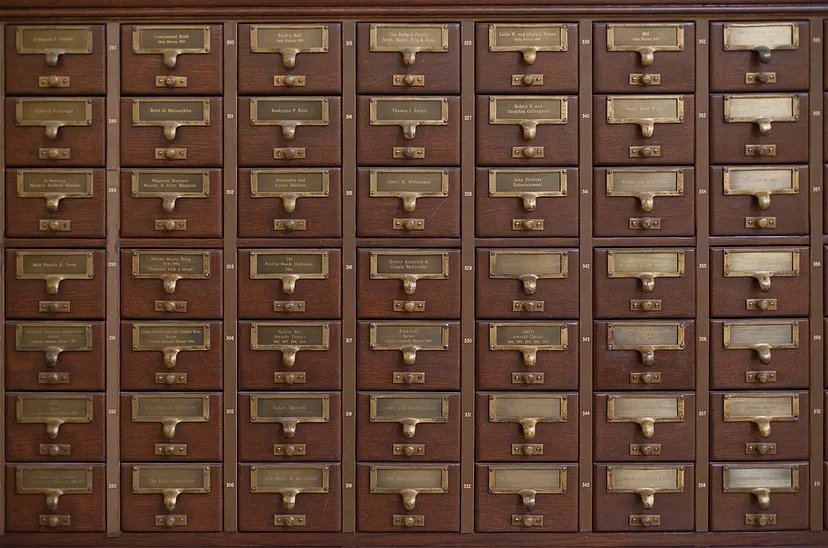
pixel 764 280
pixel 647 355
pixel 527 496
pixel 647 282
pixel 52 497
pixel 170 357
pixel 289 355
pixel 289 428
pixel 168 428
pixel 409 355
pixel 170 58
pixel 530 283
pixel 764 352
pixel 409 427
pixel 762 497
pixel 647 497
pixel 764 54
pixel 289 58
pixel 289 498
pixel 647 427
pixel 170 498
pixel 52 58
pixel 764 425
pixel 529 428
pixel 647 56
pixel 764 126
pixel 530 130
pixel 51 355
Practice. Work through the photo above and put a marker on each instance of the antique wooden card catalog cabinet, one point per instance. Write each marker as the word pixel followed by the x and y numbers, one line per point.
pixel 432 273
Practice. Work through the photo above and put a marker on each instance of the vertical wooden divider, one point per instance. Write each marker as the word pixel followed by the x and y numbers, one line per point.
pixel 2 283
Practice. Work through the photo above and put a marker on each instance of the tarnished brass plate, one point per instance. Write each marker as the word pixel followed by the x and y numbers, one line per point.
pixel 631 263
pixel 181 336
pixel 425 265
pixel 298 183
pixel 541 264
pixel 44 408
pixel 300 336
pixel 632 109
pixel 42 336
pixel 180 407
pixel 661 478
pixel 645 183
pixel 641 36
pixel 54 185
pixel 655 407
pixel 68 479
pixel 301 478
pixel 516 407
pixel 750 334
pixel 517 336
pixel 754 180
pixel 394 111
pixel 298 407
pixel 768 406
pixel 170 185
pixel 431 408
pixel 60 112
pixel 752 36
pixel 177 38
pixel 65 265
pixel 60 39
pixel 540 478
pixel 744 478
pixel 750 107
pixel 297 111
pixel 183 478
pixel 399 37
pixel 160 112
pixel 521 37
pixel 301 264
pixel 178 264
pixel 535 109
pixel 749 262
pixel 291 39
pixel 424 478
pixel 655 335
pixel 523 183
pixel 408 184
pixel 399 335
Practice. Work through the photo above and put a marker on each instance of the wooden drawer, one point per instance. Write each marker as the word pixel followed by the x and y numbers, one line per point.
pixel 422 498
pixel 55 60
pixel 171 59
pixel 537 427
pixel 780 503
pixel 526 205
pixel 171 427
pixel 171 356
pixel 527 130
pixel 46 427
pixel 644 355
pixel 524 57
pixel 282 498
pixel 644 426
pixel 759 354
pixel 422 427
pixel 282 131
pixel 55 356
pixel 635 57
pixel 417 131
pixel 645 283
pixel 52 284
pixel 172 132
pixel 32 507
pixel 290 203
pixel 55 203
pixel 533 498
pixel 644 129
pixel 759 128
pixel 527 355
pixel 55 132
pixel 626 205
pixel 428 54
pixel 527 283
pixel 408 355
pixel 398 202
pixel 755 426
pixel 759 56
pixel 416 284
pixel 280 283
pixel 293 59
pixel 171 284
pixel 290 426
pixel 759 200
pixel 171 203
pixel 643 497
pixel 171 497
pixel 759 281
pixel 287 355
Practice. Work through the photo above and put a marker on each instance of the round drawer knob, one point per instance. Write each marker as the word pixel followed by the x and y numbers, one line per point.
pixel 290 81
pixel 169 521
pixel 648 306
pixel 289 521
pixel 647 223
pixel 408 80
pixel 53 154
pixel 54 307
pixel 409 224
pixel 529 450
pixel 409 521
pixel 290 450
pixel 762 449
pixel 647 79
pixel 52 378
pixel 763 77
pixel 289 307
pixel 53 521
pixel 763 304
pixel 290 226
pixel 169 450
pixel 647 378
pixel 169 81
pixel 169 379
pixel 646 450
pixel 54 225
pixel 290 378
pixel 169 224
pixel 169 153
pixel 528 79
pixel 646 521
pixel 528 521
pixel 53 81
pixel 763 520
pixel 409 451
pixel 169 306
pixel 527 224
pixel 647 152
pixel 529 306
pixel 408 378
pixel 54 451
pixel 762 223
pixel 529 152
pixel 290 154
pixel 408 152
pixel 763 377
pixel 528 378
pixel 408 306
pixel 764 150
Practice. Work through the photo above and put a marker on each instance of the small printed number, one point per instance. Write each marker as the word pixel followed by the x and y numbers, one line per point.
pixel 702 41
pixel 112 120
pixel 230 338
pixel 585 41
pixel 467 340
pixel 112 337
pixel 585 266
pixel 585 485
pixel 230 266
pixel 585 115
pixel 349 116
pixel 467 194
pixel 702 266
pixel 816 189
pixel 113 190
pixel 467 42
pixel 111 264
pixel 584 191
pixel 349 485
pixel 817 484
pixel 702 115
pixel 230 485
pixel 113 411
pixel 230 191
pixel 229 115
pixel 113 485
pixel 112 47
pixel 229 411
pixel 349 413
pixel 816 39
pixel 349 267
pixel 467 267
pixel 702 485
pixel 348 340
pixel 702 191
pixel 702 339
pixel 817 337
pixel 584 339
pixel 816 113
pixel 230 42
pixel 585 413
pixel 702 413
pixel 349 193
pixel 349 43
pixel 467 414
pixel 817 411
pixel 467 117
pixel 467 486
pixel 817 264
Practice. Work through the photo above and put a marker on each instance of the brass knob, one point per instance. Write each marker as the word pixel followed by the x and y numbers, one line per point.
pixel 53 154
pixel 764 150
pixel 52 378
pixel 288 130
pixel 169 81
pixel 529 306
pixel 169 521
pixel 52 129
pixel 763 77
pixel 409 130
pixel 169 224
pixel 289 521
pixel 763 304
pixel 764 281
pixel 169 154
pixel 52 497
pixel 51 356
pixel 647 497
pixel 528 521
pixel 646 521
pixel 290 154
pixel 409 355
pixel 764 426
pixel 529 152
pixel 290 378
pixel 762 521
pixel 54 307
pixel 289 498
pixel 528 79
pixel 529 450
pixel 409 152
pixel 762 448
pixel 290 81
pixel 169 450
pixel 647 152
pixel 289 307
pixel 646 450
pixel 646 223
pixel 409 521
pixel 170 58
pixel 647 56
pixel 169 379
pixel 762 223
pixel 289 428
pixel 290 450
pixel 646 79
pixel 408 80
pixel 54 225
pixel 290 226
pixel 53 521
pixel 409 306
pixel 53 451
pixel 409 451
pixel 53 81
pixel 52 58
pixel 409 224
pixel 647 378
pixel 408 378
pixel 528 378
pixel 647 306
pixel 762 497
pixel 647 428
pixel 409 497
pixel 169 306
pixel 763 377
pixel 527 224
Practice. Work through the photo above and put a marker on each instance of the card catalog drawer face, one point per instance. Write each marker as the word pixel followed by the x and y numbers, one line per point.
pixel 643 56
pixel 422 427
pixel 526 427
pixel 408 58
pixel 759 497
pixel 290 59
pixel 761 56
pixel 417 497
pixel 171 59
pixel 49 498
pixel 290 426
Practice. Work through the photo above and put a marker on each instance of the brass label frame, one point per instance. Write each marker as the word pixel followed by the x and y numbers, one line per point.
pixel 85 418
pixel 84 120
pixel 172 119
pixel 612 271
pixel 203 416
pixel 407 195
pixel 375 121
pixel 87 480
pixel 23 275
pixel 257 192
pixel 728 327
pixel 375 29
pixel 619 326
pixel 730 182
pixel 528 195
pixel 677 119
pixel 540 44
pixel 731 470
pixel 562 273
pixel 205 265
pixel 730 272
pixel 499 489
pixel 675 487
pixel 728 400
pixel 516 417
pixel 324 265
pixel 290 46
pixel 376 486
pixel 170 469
pixel 204 30
pixel 374 416
pixel 20 344
pixel 734 112
pixel 648 193
pixel 618 415
pixel 735 41
pixel 611 38
pixel 257 418
pixel 170 195
pixel 325 342
pixel 136 336
pixel 258 487
pixel 495 345
pixel 324 119
pixel 54 197
pixel 82 45
pixel 375 342
pixel 444 265
pixel 563 119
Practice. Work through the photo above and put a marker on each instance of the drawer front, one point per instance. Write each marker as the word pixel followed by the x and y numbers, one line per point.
pixel 639 426
pixel 171 59
pixel 81 507
pixel 290 203
pixel 268 501
pixel 759 56
pixel 196 508
pixel 290 426
pixel 400 202
pixel 525 427
pixel 759 200
pixel 290 59
pixel 55 132
pixel 386 504
pixel 290 355
pixel 756 426
pixel 55 285
pixel 644 57
pixel 527 130
pixel 171 356
pixel 171 203
pixel 644 355
pixel 783 506
pixel 527 58
pixel 55 203
pixel 527 283
pixel 170 427
pixel 55 59
pixel 644 129
pixel 759 354
pixel 644 202
pixel 54 427
pixel 60 356
pixel 502 505
pixel 406 58
pixel 289 283
pixel 529 356
pixel 171 284
pixel 408 355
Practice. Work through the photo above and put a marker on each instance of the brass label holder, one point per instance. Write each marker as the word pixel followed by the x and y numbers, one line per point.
pixel 261 185
pixel 645 409
pixel 528 39
pixel 386 37
pixel 410 123
pixel 761 408
pixel 76 184
pixel 289 480
pixel 528 267
pixel 52 41
pixel 260 330
pixel 763 38
pixel 289 40
pixel 53 410
pixel 761 182
pixel 645 481
pixel 77 113
pixel 46 265
pixel 528 122
pixel 527 481
pixel 761 109
pixel 398 410
pixel 409 343
pixel 198 269
pixel 630 109
pixel 528 410
pixel 657 263
pixel 289 420
pixel 525 177
pixel 528 342
pixel 291 274
pixel 760 480
pixel 196 43
pixel 53 339
pixel 626 336
pixel 380 183
pixel 171 481
pixel 785 335
pixel 741 263
pixel 170 348
pixel 409 481
pixel 53 481
pixel 408 279
pixel 620 37
pixel 287 122
pixel 196 184
pixel 198 407
pixel 170 121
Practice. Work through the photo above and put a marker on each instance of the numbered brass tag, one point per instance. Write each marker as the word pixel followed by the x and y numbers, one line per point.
pixel 408 39
pixel 645 38
pixel 645 481
pixel 645 184
pixel 645 337
pixel 760 480
pixel 528 410
pixel 170 410
pixel 52 338
pixel 761 264
pixel 528 338
pixel 409 338
pixel 409 410
pixel 289 185
pixel 408 185
pixel 289 410
pixel 761 408
pixel 527 481
pixel 289 338
pixel 646 265
pixel 289 266
pixel 170 481
pixel 53 481
pixel 289 480
pixel 289 40
pixel 761 336
pixel 528 39
pixel 409 481
pixel 645 409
